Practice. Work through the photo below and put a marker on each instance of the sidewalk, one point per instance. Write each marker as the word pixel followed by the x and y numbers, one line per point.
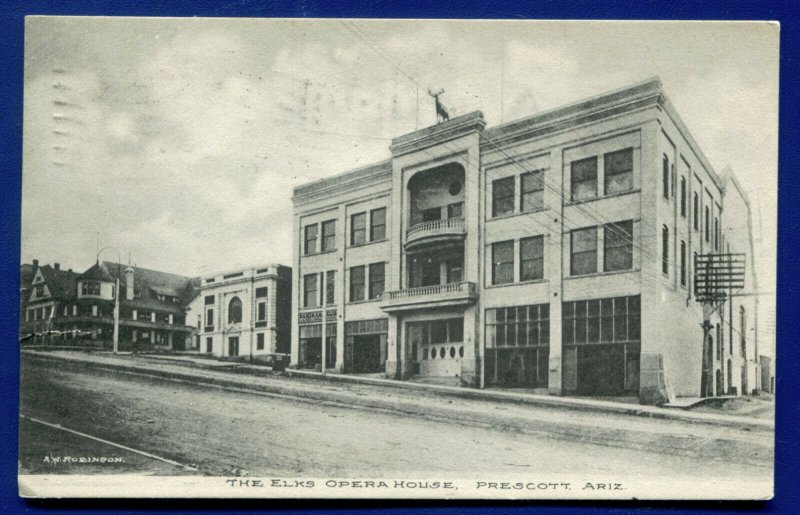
pixel 309 384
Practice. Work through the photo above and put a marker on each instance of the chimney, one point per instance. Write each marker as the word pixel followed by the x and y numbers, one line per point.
pixel 129 283
pixel 57 266
pixel 35 264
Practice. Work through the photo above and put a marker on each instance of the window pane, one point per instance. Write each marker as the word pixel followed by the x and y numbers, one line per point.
pixel 532 190
pixel 439 331
pixel 456 329
pixel 376 280
pixel 584 178
pixel 532 264
pixel 503 262
pixel 619 171
pixel 356 283
pixel 503 196
pixel 358 228
pixel 377 224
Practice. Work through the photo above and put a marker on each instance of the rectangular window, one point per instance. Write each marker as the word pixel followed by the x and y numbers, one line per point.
pixel 503 262
pixel 618 171
pixel 377 224
pixel 432 214
pixel 532 191
pixel 665 177
pixel 310 246
pixel 328 235
pixel 531 258
pixel 358 228
pixel 260 341
pixel 356 283
pixel 707 222
pixel 665 250
pixel 455 210
pixel 518 326
pixel 88 288
pixel 583 174
pixel 330 287
pixel 614 320
pixel 696 217
pixel 376 280
pixel 716 233
pixel 583 251
pixel 209 300
pixel 683 197
pixel 503 196
pixel 261 315
pixel 209 318
pixel 310 295
pixel 618 246
pixel 683 263
pixel 261 292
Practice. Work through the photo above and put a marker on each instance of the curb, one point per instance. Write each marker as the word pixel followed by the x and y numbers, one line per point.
pixel 450 391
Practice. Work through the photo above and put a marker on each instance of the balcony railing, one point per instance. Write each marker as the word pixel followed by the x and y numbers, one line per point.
pixel 429 296
pixel 435 230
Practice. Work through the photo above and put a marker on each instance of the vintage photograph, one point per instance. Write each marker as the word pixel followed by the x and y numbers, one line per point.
pixel 430 259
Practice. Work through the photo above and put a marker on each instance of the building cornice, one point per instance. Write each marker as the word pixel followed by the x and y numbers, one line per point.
pixel 371 175
pixel 438 134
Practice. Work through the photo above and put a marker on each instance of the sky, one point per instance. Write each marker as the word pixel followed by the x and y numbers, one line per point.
pixel 178 141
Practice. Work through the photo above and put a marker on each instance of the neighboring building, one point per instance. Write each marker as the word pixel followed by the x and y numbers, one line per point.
pixel 553 252
pixel 82 306
pixel 244 312
pixel 44 290
pixel 767 374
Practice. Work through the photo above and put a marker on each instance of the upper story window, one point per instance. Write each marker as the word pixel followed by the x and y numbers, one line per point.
pixel 503 262
pixel 39 291
pixel 310 296
pixel 377 224
pixel 261 306
pixel 695 212
pixel 583 251
pixel 90 288
pixel 665 250
pixel 455 210
pixel 330 287
pixel 665 177
pixel 377 280
pixel 716 233
pixel 618 168
pixel 531 258
pixel 310 246
pixel 503 196
pixel 235 311
pixel 358 229
pixel 532 194
pixel 209 300
pixel 583 175
pixel 683 197
pixel 707 224
pixel 328 235
pixel 618 246
pixel 683 263
pixel 432 214
pixel 357 283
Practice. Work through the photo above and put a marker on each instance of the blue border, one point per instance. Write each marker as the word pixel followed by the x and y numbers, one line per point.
pixel 11 55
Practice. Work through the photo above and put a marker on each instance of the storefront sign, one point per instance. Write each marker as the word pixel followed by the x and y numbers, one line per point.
pixel 312 317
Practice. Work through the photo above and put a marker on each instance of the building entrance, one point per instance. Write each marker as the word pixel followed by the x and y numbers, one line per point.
pixel 311 352
pixel 367 354
pixel 233 346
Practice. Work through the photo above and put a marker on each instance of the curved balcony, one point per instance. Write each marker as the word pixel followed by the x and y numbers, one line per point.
pixel 435 231
pixel 451 294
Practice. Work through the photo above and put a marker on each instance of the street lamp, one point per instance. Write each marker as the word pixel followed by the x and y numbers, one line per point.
pixel 116 297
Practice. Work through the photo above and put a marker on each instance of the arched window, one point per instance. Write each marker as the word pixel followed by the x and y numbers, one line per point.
pixel 665 250
pixel 235 311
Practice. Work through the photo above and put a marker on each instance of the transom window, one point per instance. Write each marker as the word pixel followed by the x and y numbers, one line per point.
pixel 518 326
pixel 615 320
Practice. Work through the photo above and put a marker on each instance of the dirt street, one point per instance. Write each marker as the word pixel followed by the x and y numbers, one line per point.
pixel 232 433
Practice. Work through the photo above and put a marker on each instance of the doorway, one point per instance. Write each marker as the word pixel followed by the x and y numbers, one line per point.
pixel 367 354
pixel 601 370
pixel 233 346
